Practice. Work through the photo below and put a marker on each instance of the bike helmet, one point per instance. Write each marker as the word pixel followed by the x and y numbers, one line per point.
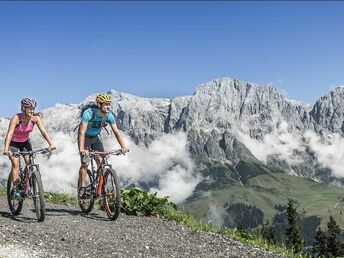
pixel 28 102
pixel 103 98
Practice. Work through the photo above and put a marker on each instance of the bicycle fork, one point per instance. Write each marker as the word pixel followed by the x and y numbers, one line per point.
pixel 100 180
pixel 100 184
pixel 28 178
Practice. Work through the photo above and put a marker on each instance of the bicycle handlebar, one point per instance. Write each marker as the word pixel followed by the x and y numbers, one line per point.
pixel 40 151
pixel 105 153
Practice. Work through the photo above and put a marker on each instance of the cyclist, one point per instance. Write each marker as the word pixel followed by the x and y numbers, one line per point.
pixel 92 120
pixel 17 137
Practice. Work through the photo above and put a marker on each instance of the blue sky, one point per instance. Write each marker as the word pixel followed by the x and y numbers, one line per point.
pixel 64 51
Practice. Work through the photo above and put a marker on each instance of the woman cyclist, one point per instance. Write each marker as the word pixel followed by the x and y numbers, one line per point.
pixel 17 137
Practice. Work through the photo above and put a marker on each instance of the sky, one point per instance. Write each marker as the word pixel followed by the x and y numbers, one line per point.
pixel 61 52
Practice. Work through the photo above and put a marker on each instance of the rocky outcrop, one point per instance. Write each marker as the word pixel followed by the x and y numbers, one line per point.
pixel 328 112
pixel 227 103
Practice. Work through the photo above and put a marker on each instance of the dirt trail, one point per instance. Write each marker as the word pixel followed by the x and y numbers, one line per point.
pixel 66 232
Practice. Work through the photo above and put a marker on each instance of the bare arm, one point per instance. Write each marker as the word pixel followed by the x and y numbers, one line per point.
pixel 13 123
pixel 119 137
pixel 81 138
pixel 43 131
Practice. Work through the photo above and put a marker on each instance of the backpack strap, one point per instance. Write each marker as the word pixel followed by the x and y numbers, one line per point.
pixel 94 110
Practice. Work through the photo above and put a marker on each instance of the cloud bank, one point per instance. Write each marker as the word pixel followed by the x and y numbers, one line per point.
pixel 279 142
pixel 165 162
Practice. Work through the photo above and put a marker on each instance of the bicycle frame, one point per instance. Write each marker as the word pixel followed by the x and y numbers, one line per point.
pixel 98 173
pixel 30 185
pixel 26 172
pixel 102 182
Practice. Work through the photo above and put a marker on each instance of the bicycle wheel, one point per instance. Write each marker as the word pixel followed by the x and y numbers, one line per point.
pixel 38 195
pixel 112 194
pixel 86 201
pixel 15 204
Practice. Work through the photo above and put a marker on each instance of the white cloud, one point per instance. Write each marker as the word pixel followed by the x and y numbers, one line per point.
pixel 217 214
pixel 278 142
pixel 177 183
pixel 328 151
pixel 166 160
pixel 60 172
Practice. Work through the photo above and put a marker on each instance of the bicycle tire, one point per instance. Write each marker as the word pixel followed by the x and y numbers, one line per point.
pixel 15 205
pixel 38 195
pixel 112 194
pixel 85 206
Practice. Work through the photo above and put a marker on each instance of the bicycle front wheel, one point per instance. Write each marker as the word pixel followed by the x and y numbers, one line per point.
pixel 14 203
pixel 112 194
pixel 38 195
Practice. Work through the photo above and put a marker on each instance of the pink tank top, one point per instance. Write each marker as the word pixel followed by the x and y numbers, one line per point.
pixel 22 131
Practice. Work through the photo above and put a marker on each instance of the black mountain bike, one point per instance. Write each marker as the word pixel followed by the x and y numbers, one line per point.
pixel 101 183
pixel 30 186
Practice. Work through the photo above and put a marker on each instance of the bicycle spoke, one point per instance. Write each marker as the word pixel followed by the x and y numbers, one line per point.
pixel 112 197
pixel 37 195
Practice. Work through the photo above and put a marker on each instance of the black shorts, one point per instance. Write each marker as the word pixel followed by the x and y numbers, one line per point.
pixel 92 143
pixel 20 146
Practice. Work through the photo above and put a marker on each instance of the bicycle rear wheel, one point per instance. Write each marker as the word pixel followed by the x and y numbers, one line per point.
pixel 38 195
pixel 15 204
pixel 112 194
pixel 86 201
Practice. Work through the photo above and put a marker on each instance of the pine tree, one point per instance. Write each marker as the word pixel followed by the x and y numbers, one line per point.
pixel 270 236
pixel 333 242
pixel 293 232
pixel 319 247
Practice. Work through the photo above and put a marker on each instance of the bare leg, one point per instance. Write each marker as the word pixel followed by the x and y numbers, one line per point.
pixel 15 169
pixel 27 159
pixel 82 174
pixel 98 161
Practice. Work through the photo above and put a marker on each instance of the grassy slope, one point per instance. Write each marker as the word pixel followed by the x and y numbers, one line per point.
pixel 266 190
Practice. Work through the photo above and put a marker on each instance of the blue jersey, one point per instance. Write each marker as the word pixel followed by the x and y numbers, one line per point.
pixel 95 122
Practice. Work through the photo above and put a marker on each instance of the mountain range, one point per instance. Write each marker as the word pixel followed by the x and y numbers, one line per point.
pixel 238 135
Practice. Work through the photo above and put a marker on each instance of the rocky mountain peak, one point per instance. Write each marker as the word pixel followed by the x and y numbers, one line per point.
pixel 224 103
pixel 212 116
pixel 328 111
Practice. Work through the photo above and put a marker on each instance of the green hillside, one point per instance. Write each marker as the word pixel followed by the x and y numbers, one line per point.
pixel 255 184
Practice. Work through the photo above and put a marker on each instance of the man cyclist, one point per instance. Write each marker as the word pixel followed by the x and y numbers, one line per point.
pixel 17 137
pixel 92 120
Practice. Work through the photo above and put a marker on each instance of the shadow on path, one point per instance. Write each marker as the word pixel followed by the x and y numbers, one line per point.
pixel 64 212
pixel 19 217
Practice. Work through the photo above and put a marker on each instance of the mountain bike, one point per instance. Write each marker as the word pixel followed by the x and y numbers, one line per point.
pixel 102 182
pixel 30 185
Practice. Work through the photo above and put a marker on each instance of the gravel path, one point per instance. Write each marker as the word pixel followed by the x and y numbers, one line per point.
pixel 66 232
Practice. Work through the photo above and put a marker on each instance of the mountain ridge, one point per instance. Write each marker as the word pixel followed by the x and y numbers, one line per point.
pixel 224 104
pixel 226 134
